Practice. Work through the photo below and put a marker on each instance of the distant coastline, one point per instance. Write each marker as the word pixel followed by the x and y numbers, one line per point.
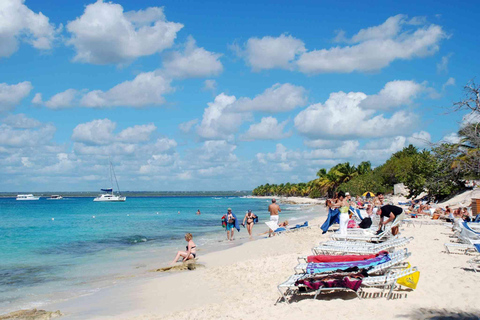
pixel 144 194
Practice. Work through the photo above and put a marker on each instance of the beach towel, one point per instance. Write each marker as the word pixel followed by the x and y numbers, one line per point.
pixel 333 217
pixel 336 258
pixel 350 280
pixel 330 266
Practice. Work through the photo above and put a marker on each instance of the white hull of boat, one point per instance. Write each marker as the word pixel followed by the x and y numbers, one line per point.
pixel 110 198
pixel 26 197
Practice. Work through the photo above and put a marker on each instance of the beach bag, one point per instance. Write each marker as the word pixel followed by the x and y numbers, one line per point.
pixel 366 223
pixel 395 230
pixel 410 281
pixel 224 221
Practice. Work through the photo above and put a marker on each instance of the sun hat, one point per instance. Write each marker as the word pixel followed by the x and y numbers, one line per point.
pixel 347 193
pixel 229 209
pixel 249 211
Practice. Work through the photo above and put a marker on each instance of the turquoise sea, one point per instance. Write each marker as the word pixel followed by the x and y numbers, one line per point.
pixel 52 250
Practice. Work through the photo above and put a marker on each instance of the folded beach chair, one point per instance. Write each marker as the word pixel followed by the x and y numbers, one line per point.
pixel 389 280
pixel 378 264
pixel 350 247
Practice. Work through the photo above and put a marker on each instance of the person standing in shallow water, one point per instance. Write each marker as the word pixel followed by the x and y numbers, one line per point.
pixel 274 209
pixel 230 218
pixel 250 217
pixel 191 251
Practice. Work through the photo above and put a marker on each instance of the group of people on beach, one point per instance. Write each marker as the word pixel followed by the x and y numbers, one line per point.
pixel 230 223
pixel 340 206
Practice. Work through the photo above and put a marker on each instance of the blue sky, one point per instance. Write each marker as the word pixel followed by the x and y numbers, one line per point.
pixel 191 95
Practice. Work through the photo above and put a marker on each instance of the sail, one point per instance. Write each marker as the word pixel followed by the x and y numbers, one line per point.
pixel 107 190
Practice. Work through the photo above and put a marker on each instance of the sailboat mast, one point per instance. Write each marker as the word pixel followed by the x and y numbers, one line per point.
pixel 115 176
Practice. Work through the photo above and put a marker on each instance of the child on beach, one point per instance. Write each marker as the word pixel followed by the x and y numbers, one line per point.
pixel 191 251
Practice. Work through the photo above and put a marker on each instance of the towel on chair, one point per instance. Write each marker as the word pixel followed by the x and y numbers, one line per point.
pixel 330 266
pixel 335 258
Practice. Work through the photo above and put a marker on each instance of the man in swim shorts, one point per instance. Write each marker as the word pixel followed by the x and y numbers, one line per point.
pixel 230 224
pixel 274 209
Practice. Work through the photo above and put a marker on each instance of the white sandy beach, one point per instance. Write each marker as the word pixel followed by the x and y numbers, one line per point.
pixel 241 283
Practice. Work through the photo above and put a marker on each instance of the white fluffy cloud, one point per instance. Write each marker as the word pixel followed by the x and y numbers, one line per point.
pixel 270 52
pixel 61 100
pixel 210 85
pixel 11 95
pixel 21 121
pixel 342 116
pixel 395 93
pixel 193 62
pixel 146 89
pixel 96 132
pixel 267 129
pixel 105 34
pixel 137 133
pixel 223 117
pixel 19 131
pixel 19 23
pixel 218 121
pixel 101 132
pixel 376 47
pixel 278 98
pixel 187 126
pixel 449 82
pixel 451 138
pixel 442 66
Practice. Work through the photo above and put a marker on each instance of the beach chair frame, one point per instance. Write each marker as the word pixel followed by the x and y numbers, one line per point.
pixel 387 281
pixel 396 258
pixel 342 247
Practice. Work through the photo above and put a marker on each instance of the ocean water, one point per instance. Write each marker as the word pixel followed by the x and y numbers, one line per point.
pixel 52 250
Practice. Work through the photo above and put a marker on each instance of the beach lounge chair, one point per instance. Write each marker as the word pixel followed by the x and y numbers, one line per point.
pixel 467 239
pixel 276 229
pixel 367 234
pixel 389 280
pixel 378 264
pixel 342 247
pixel 475 262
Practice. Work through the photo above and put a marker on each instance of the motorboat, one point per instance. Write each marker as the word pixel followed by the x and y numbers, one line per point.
pixel 55 197
pixel 27 197
pixel 109 195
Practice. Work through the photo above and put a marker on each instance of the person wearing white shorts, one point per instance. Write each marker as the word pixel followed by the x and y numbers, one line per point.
pixel 274 209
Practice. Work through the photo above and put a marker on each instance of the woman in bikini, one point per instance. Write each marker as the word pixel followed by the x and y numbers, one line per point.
pixel 250 217
pixel 191 251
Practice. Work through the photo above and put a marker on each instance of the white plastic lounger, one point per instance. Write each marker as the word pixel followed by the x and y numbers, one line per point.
pixel 475 264
pixel 383 282
pixel 395 258
pixel 342 247
pixel 367 235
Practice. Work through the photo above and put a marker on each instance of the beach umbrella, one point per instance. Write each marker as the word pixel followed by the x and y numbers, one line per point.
pixel 369 194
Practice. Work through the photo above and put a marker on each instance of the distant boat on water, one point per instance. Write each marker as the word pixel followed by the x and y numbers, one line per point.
pixel 109 196
pixel 24 197
pixel 55 197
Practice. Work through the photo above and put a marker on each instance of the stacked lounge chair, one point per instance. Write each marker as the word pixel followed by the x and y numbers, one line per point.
pixel 353 263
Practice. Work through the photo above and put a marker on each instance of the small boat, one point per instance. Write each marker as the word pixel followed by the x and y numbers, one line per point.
pixel 109 196
pixel 55 197
pixel 27 197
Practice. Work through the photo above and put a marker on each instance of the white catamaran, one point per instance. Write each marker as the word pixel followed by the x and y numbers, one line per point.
pixel 109 196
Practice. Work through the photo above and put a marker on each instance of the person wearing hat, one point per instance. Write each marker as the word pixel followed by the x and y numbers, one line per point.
pixel 230 217
pixel 250 217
